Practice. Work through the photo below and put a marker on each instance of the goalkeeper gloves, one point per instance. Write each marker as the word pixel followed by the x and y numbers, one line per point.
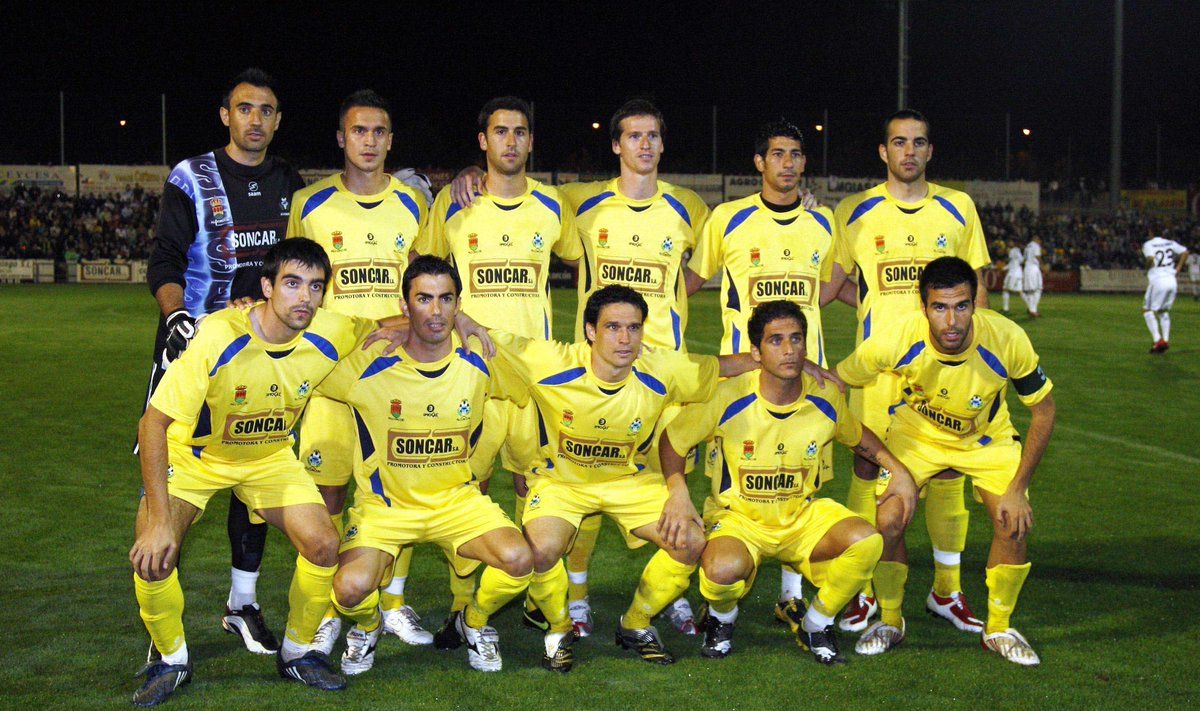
pixel 181 328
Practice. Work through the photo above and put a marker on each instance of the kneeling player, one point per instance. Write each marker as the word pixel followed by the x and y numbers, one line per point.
pixel 955 363
pixel 419 415
pixel 769 428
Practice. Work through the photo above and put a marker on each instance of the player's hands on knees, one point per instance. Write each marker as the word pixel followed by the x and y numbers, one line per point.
pixel 823 376
pixel 1015 514
pixel 466 185
pixel 902 488
pixel 153 552
pixel 181 329
pixel 678 515
pixel 467 327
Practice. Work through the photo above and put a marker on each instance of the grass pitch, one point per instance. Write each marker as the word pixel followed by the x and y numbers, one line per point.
pixel 1111 603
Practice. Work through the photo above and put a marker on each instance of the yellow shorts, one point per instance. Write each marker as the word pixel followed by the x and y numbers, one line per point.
pixel 990 466
pixel 272 482
pixel 870 404
pixel 631 502
pixel 792 545
pixel 509 430
pixel 465 516
pixel 328 439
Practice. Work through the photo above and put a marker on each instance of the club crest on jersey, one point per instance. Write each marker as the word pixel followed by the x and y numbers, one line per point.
pixel 538 242
pixel 283 203
pixel 880 245
pixel 351 532
pixel 941 242
pixel 667 246
pixel 815 258
pixel 400 242
pixel 397 409
pixel 473 242
pixel 748 449
pixel 338 244
pixel 568 418
pixel 635 426
pixel 464 409
pixel 884 474
pixel 314 459
pixel 170 471
pixel 811 449
pixel 217 205
pixel 239 395
pixel 534 502
pixel 976 402
pixel 755 256
pixel 304 389
pixel 602 238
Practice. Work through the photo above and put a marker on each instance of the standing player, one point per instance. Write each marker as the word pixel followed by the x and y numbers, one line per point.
pixel 221 211
pixel 1032 277
pixel 222 418
pixel 1013 274
pixel 955 363
pixel 768 246
pixel 501 246
pixel 770 428
pixel 367 220
pixel 1164 260
pixel 888 234
pixel 420 413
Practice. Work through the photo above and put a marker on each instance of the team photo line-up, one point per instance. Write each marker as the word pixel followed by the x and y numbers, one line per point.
pixel 403 341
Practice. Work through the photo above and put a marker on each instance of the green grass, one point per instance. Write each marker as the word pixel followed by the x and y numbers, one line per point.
pixel 1111 604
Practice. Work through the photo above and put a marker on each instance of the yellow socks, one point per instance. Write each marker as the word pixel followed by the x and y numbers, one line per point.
pixel 846 575
pixel 548 591
pixel 308 599
pixel 722 598
pixel 161 607
pixel 496 588
pixel 946 518
pixel 462 587
pixel 1004 585
pixel 889 589
pixel 861 500
pixel 365 614
pixel 663 580
pixel 580 556
pixel 392 597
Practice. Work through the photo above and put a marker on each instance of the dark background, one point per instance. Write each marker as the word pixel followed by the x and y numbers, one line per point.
pixel 1046 63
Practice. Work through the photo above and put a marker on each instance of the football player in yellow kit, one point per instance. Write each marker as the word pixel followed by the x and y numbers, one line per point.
pixel 887 235
pixel 954 363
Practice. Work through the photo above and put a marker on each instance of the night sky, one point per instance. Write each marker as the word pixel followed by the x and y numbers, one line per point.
pixel 1047 63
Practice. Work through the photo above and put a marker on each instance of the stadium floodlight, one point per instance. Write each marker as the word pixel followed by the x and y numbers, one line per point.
pixel 1026 131
pixel 122 122
pixel 819 127
pixel 595 125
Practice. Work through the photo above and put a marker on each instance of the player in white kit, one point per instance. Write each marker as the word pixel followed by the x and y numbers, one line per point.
pixel 1164 259
pixel 1193 266
pixel 1013 277
pixel 1031 289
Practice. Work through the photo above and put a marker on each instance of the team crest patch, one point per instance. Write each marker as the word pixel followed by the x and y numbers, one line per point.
pixel 473 242
pixel 815 258
pixel 239 395
pixel 534 502
pixel 714 528
pixel 304 389
pixel 464 409
pixel 350 533
pixel 397 409
pixel 976 402
pixel 635 426
pixel 880 245
pixel 712 455
pixel 755 257
pixel 538 242
pixel 884 474
pixel 218 207
pixel 568 418
pixel 602 238
pixel 667 245
pixel 941 242
pixel 401 244
pixel 748 449
pixel 170 471
pixel 811 450
pixel 314 459
pixel 338 241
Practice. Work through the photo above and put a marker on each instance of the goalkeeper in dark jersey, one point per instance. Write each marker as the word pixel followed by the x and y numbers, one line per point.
pixel 221 212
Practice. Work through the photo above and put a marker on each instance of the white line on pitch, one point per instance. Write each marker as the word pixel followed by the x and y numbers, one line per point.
pixel 1127 443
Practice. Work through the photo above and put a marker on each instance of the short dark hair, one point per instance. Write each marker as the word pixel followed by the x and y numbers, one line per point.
pixel 635 107
pixel 364 98
pixel 427 264
pixel 297 249
pixel 254 77
pixel 947 273
pixel 904 114
pixel 612 294
pixel 505 103
pixel 769 311
pixel 781 128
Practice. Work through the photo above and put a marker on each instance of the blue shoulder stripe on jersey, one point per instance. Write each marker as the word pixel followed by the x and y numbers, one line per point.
pixel 737 340
pixel 203 422
pixel 322 345
pixel 737 406
pixel 985 440
pixel 594 201
pixel 726 479
pixel 549 202
pixel 475 435
pixel 364 435
pixel 823 405
pixel 546 324
pixel 913 351
pixel 379 365
pixel 196 451
pixel 950 208
pixel 453 209
pixel 738 218
pixel 564 377
pixel 676 329
pixel 821 219
pixel 678 207
pixel 230 351
pixel 864 207
pixel 410 204
pixel 992 361
pixel 892 408
pixel 867 324
pixel 651 382
pixel 474 359
pixel 377 487
pixel 316 200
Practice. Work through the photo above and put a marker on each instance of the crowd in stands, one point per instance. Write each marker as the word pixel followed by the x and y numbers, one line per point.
pixel 46 224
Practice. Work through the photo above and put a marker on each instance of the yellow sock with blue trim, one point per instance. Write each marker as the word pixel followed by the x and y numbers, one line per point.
pixel 1004 584
pixel 308 600
pixel 889 590
pixel 580 557
pixel 721 598
pixel 392 596
pixel 161 607
pixel 548 591
pixel 496 588
pixel 663 581
pixel 365 614
pixel 946 518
